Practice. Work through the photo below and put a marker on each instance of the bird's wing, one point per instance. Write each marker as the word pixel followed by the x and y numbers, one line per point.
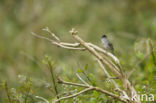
pixel 111 46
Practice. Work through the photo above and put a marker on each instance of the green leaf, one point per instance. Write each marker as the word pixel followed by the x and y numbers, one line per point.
pixel 46 56
pixel 93 79
pixel 140 55
pixel 96 94
pixel 44 61
pixel 79 71
pixel 93 100
pixel 52 62
pixel 86 67
pixel 2 85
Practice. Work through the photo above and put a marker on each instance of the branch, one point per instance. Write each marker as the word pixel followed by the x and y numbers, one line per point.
pixel 67 47
pixel 50 67
pixel 102 57
pixel 43 99
pixel 59 43
pixel 41 37
pixel 107 74
pixel 71 44
pixel 131 92
pixel 74 95
pixel 95 53
pixel 105 52
pixel 52 34
pixel 85 74
pixel 7 92
pixel 88 88
pixel 81 79
pixel 70 83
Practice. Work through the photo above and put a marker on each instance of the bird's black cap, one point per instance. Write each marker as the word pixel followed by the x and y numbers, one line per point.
pixel 104 36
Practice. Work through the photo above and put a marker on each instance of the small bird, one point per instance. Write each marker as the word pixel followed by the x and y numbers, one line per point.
pixel 107 44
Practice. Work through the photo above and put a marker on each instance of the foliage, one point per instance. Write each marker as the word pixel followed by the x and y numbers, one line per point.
pixel 130 25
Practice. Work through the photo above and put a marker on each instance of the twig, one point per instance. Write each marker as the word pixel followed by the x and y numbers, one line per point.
pixel 26 97
pixel 41 37
pixel 7 92
pixel 70 44
pixel 105 52
pixel 110 62
pixel 92 51
pixel 74 95
pixel 112 95
pixel 90 88
pixel 70 83
pixel 65 93
pixel 81 79
pixel 107 74
pixel 111 78
pixel 60 44
pixel 152 52
pixel 41 98
pixel 53 78
pixel 52 34
pixel 83 72
pixel 67 47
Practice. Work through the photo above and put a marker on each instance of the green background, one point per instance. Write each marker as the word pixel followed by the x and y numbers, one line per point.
pixel 127 23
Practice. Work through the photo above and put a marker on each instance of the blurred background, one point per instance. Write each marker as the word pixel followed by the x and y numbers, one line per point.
pixel 129 24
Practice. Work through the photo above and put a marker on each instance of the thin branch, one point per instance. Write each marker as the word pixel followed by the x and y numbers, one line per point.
pixel 111 78
pixel 52 34
pixel 60 44
pixel 131 92
pixel 85 74
pixel 27 93
pixel 67 47
pixel 65 93
pixel 70 83
pixel 70 44
pixel 111 94
pixel 41 37
pixel 90 88
pixel 110 62
pixel 96 48
pixel 83 81
pixel 74 95
pixel 95 53
pixel 7 92
pixel 152 51
pixel 105 52
pixel 43 99
pixel 107 74
pixel 53 78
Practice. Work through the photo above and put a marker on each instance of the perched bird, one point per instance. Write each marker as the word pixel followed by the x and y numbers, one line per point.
pixel 107 44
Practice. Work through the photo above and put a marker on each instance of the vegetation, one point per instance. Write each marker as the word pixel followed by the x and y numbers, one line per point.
pixel 30 66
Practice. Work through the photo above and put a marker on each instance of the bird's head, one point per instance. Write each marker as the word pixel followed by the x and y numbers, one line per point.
pixel 104 36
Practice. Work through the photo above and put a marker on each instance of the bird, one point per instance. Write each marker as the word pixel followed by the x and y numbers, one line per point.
pixel 107 44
